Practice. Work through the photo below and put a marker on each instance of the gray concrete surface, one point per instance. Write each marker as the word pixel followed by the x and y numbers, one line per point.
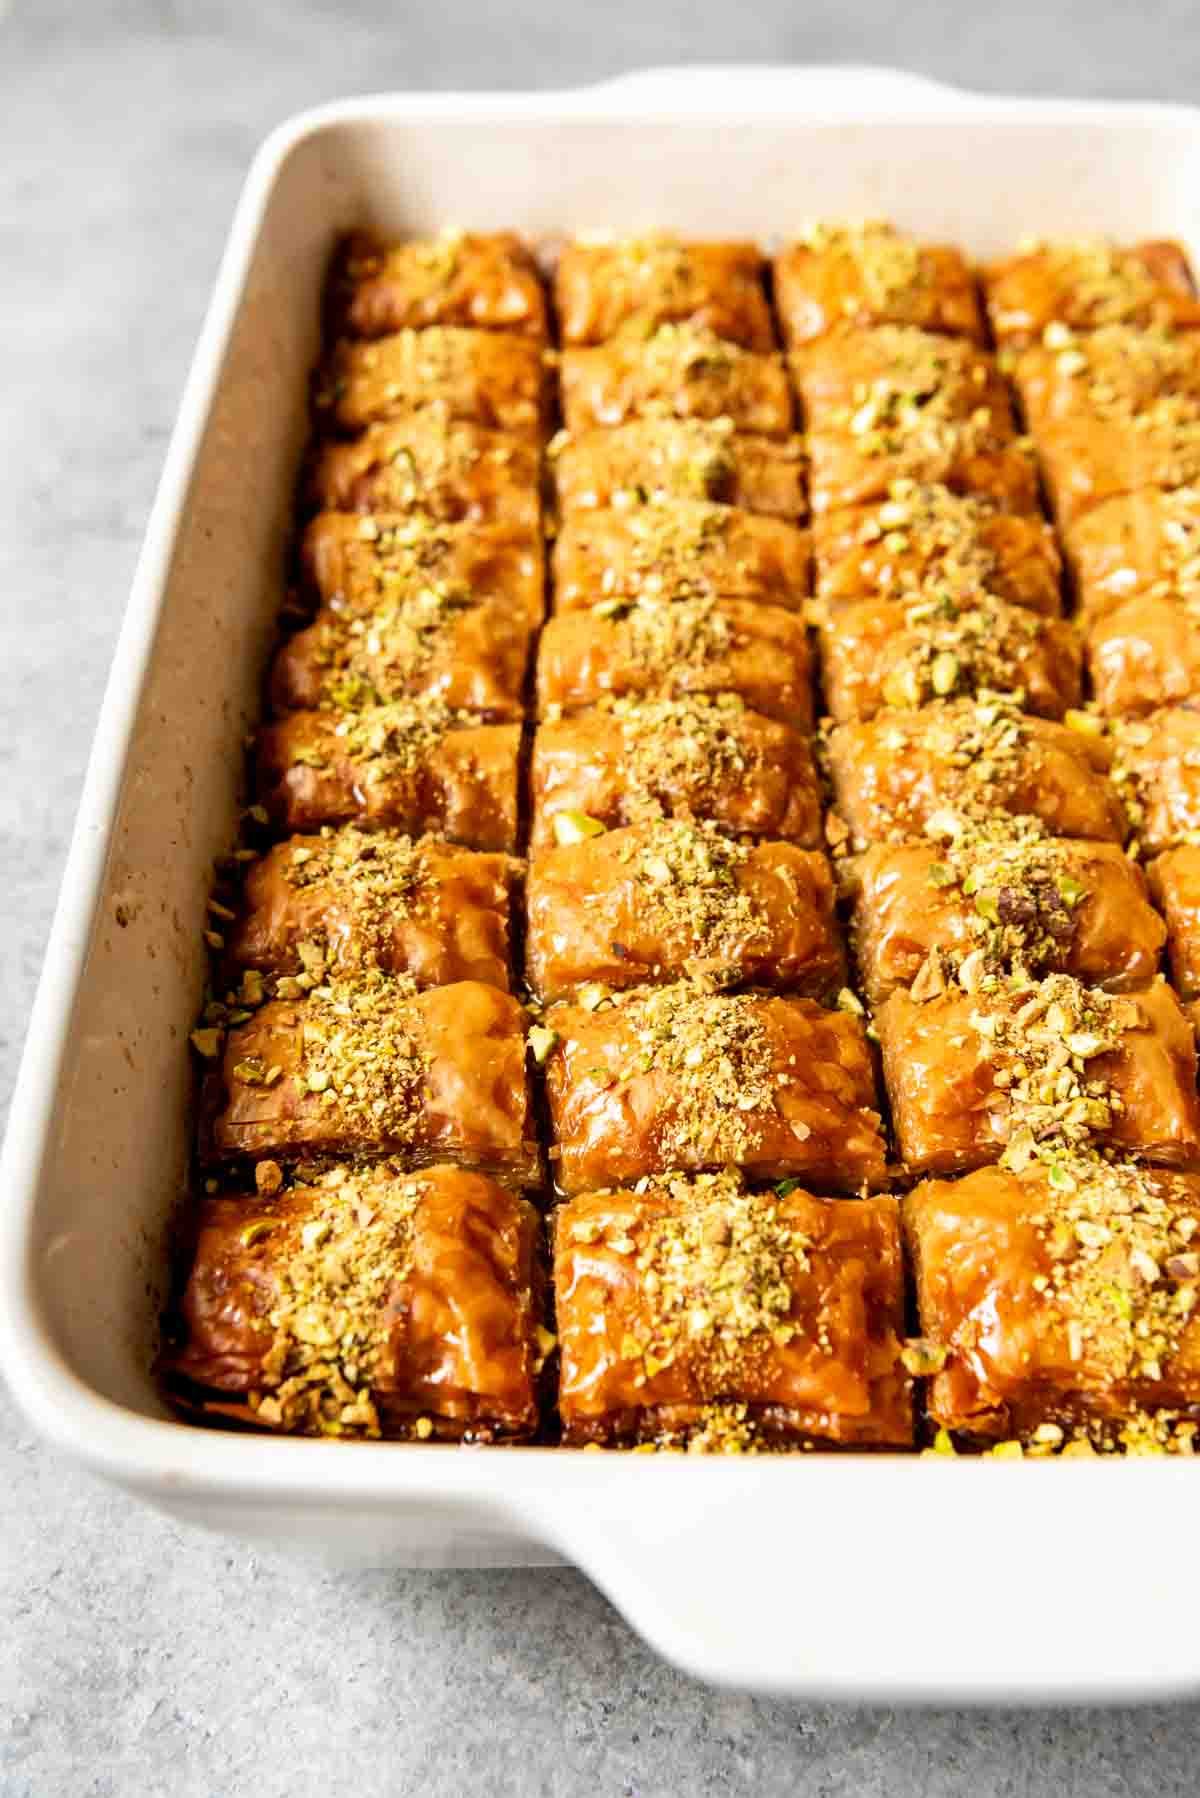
pixel 135 1657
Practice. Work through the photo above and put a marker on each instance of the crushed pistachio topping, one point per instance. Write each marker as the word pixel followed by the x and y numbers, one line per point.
pixel 726 1427
pixel 371 657
pixel 1042 1039
pixel 715 1269
pixel 686 874
pixel 685 458
pixel 388 563
pixel 670 547
pixel 684 355
pixel 1096 282
pixel 978 745
pixel 887 268
pixel 1146 379
pixel 332 1279
pixel 1020 896
pixel 938 530
pixel 392 739
pixel 362 1051
pixel 428 461
pixel 1123 1263
pixel 658 635
pixel 378 872
pixel 928 404
pixel 424 264
pixel 949 648
pixel 1178 546
pixel 416 364
pixel 716 1048
pixel 678 745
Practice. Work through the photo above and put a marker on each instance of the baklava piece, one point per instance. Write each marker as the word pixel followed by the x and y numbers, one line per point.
pixel 1085 283
pixel 923 535
pixel 413 764
pixel 360 564
pixel 841 276
pixel 679 1077
pixel 695 1314
pixel 876 654
pixel 368 1065
pixel 454 473
pixel 1058 1306
pixel 680 458
pixel 1143 655
pixel 462 376
pixel 1175 882
pixel 901 404
pixel 1112 412
pixel 632 285
pixel 682 371
pixel 1143 545
pixel 679 549
pixel 348 899
pixel 655 901
pixel 629 761
pixel 670 648
pixel 488 282
pixel 1157 770
pixel 904 771
pixel 976 1076
pixel 998 897
pixel 365 1302
pixel 470 656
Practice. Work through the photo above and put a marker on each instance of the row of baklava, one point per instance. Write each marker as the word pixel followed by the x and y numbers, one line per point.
pixel 1005 938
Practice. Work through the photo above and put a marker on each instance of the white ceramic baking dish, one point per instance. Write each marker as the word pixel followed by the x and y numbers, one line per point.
pixel 864 1577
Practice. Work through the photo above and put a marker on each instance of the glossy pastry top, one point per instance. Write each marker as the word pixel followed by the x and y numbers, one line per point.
pixel 1157 769
pixel 655 901
pixel 414 764
pixel 488 281
pixel 924 534
pixel 998 897
pixel 634 284
pixel 1059 1297
pixel 471 657
pixel 875 653
pixel 679 549
pixel 1112 412
pixel 902 772
pixel 368 1063
pixel 1174 879
pixel 477 377
pixel 899 403
pixel 995 1071
pixel 695 1313
pixel 431 465
pixel 628 761
pixel 1085 283
pixel 682 1077
pixel 682 371
pixel 349 898
pixel 668 648
pixel 680 458
pixel 366 1302
pixel 1145 654
pixel 840 276
pixel 1139 545
pixel 361 564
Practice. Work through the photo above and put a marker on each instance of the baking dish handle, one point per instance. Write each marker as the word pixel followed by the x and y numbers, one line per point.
pixel 788 1577
pixel 710 88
